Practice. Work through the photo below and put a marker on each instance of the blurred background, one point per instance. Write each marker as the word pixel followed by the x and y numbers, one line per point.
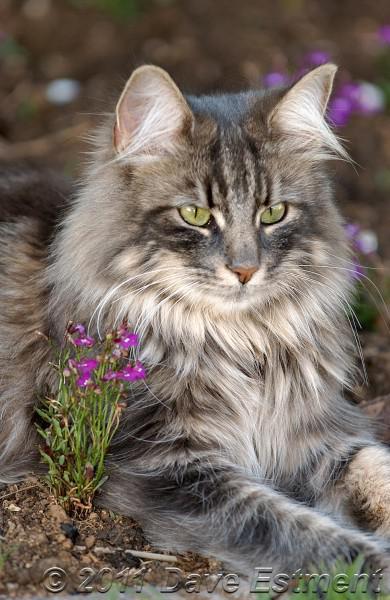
pixel 63 63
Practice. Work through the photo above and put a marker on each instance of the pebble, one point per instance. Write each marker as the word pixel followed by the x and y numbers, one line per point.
pixel 67 544
pixel 57 512
pixel 85 559
pixel 40 538
pixel 90 541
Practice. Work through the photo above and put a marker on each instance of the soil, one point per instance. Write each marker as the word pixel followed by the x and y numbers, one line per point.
pixel 206 45
pixel 36 535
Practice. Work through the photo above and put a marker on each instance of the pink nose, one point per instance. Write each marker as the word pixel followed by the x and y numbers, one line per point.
pixel 244 273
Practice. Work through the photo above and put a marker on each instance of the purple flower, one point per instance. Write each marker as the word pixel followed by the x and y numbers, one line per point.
pixel 84 380
pixel 127 339
pixel 384 34
pixel 317 58
pixel 86 365
pixel 358 271
pixel 364 241
pixel 355 97
pixel 134 373
pixel 340 109
pixel 275 79
pixel 77 328
pixel 351 229
pixel 84 341
pixel 351 92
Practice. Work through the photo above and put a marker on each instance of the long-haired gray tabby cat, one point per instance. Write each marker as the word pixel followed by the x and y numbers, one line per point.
pixel 209 223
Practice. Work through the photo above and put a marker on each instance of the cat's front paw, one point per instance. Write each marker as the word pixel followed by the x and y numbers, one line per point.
pixel 345 545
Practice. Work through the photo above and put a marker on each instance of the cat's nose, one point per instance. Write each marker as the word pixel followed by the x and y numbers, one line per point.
pixel 243 272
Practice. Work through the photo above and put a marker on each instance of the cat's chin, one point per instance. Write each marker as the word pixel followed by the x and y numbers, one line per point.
pixel 233 300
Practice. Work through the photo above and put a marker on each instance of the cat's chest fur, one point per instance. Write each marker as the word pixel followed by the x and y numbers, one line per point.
pixel 230 386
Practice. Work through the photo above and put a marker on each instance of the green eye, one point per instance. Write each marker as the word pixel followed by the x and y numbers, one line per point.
pixel 273 214
pixel 194 215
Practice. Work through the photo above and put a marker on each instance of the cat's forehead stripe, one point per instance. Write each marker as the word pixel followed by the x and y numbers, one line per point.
pixel 237 173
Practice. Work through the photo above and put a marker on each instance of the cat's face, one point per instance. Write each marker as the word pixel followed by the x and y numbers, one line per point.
pixel 220 201
pixel 229 219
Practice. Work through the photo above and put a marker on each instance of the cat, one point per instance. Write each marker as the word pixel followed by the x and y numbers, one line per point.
pixel 209 223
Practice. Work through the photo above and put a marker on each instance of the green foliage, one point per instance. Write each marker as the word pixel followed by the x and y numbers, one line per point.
pixel 345 582
pixel 4 555
pixel 79 422
pixel 26 110
pixel 6 552
pixel 372 289
pixel 9 47
pixel 383 74
pixel 365 308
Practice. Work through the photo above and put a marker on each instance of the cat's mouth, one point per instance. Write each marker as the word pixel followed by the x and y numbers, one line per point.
pixel 236 297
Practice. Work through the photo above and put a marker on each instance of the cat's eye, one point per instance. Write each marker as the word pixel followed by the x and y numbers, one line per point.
pixel 273 214
pixel 195 215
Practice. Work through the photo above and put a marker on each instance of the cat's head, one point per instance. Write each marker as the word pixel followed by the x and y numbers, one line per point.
pixel 218 201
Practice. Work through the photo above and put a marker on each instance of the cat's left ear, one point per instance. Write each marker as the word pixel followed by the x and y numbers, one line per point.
pixel 300 114
pixel 151 115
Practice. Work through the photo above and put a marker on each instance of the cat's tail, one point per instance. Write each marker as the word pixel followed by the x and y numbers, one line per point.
pixel 221 512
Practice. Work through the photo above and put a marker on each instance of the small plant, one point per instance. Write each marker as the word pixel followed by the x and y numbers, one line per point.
pixel 79 422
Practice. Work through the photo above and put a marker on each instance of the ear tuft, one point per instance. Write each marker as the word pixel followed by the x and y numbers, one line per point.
pixel 300 114
pixel 150 115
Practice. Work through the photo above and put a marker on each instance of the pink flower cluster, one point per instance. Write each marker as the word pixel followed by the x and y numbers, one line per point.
pixel 99 369
pixel 127 373
pixel 82 340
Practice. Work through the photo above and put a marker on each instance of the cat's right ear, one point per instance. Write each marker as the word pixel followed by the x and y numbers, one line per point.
pixel 151 115
pixel 300 115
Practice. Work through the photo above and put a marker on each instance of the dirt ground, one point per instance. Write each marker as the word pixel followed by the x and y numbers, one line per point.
pixel 206 45
pixel 36 535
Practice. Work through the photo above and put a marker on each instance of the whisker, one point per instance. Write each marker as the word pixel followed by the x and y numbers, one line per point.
pixel 354 263
pixel 366 278
pixel 99 308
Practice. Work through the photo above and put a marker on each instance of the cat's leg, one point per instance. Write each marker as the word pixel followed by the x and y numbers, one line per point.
pixel 219 511
pixel 366 485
